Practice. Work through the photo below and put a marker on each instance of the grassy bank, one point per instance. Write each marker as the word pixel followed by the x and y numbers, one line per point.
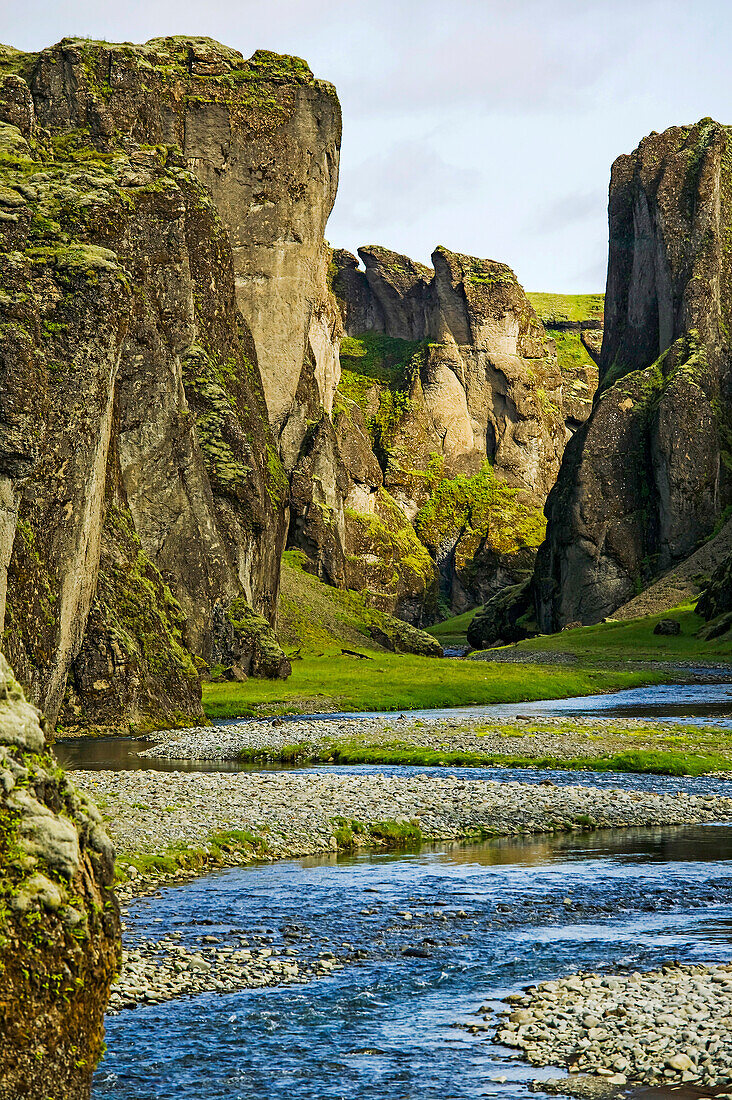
pixel 634 640
pixel 636 761
pixel 389 682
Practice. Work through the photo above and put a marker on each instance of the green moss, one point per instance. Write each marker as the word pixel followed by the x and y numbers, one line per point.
pixel 572 355
pixel 139 609
pixel 392 539
pixel 481 506
pixel 378 370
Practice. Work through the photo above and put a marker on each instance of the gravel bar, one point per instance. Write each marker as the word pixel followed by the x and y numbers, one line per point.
pixel 524 736
pixel 672 1026
pixel 150 811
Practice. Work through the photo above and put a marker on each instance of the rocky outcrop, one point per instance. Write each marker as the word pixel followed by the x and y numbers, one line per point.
pixel 142 495
pixel 645 478
pixel 487 383
pixel 507 617
pixel 262 135
pixel 59 922
pixel 715 604
pixel 447 432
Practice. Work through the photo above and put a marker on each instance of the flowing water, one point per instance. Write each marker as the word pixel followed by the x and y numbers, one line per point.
pixel 426 938
pixel 486 919
pixel 693 704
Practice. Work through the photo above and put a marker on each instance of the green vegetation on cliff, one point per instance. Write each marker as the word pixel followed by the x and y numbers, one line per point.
pixel 377 373
pixel 552 308
pixel 480 506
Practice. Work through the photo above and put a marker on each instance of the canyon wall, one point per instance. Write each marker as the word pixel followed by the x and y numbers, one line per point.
pixel 161 218
pixel 647 475
pixel 425 487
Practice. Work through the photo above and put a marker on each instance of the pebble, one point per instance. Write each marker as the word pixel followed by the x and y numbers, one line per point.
pixel 525 735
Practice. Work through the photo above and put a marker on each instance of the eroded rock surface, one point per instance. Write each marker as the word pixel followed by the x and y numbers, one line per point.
pixel 142 494
pixel 59 921
pixel 448 425
pixel 644 480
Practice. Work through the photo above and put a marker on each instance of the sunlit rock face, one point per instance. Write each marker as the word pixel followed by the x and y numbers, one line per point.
pixel 647 476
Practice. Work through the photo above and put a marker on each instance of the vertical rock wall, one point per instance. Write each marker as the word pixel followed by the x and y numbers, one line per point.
pixel 645 478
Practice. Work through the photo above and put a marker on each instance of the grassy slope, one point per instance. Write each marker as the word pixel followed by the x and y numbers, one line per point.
pixel 567 307
pixel 319 620
pixel 453 630
pixel 634 639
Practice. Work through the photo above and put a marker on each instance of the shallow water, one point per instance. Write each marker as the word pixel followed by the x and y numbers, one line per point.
pixel 693 704
pixel 492 917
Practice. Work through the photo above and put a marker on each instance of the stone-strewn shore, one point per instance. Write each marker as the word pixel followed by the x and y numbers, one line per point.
pixel 160 970
pixel 294 814
pixel 527 736
pixel 672 1026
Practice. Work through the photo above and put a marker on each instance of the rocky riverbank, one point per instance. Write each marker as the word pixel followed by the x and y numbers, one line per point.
pixel 476 740
pixel 160 970
pixel 667 1027
pixel 158 819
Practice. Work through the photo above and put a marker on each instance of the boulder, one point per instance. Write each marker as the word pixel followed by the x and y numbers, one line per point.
pixel 667 628
pixel 507 617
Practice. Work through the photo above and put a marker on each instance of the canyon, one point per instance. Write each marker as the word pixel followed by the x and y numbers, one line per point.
pixel 194 383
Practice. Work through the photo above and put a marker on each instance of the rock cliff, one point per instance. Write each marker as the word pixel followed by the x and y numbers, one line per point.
pixel 645 478
pixel 143 505
pixel 446 434
pixel 59 922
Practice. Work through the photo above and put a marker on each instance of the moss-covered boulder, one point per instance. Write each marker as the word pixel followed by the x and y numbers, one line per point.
pixel 59 921
pixel 508 617
pixel 400 637
pixel 246 644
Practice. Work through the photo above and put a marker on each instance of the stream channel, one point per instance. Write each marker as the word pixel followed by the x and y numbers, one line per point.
pixel 477 921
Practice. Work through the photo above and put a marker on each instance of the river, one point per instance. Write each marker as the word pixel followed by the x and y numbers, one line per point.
pixel 491 917
pixel 484 920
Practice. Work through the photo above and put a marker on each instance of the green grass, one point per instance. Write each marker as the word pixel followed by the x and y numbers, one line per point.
pixel 390 682
pixel 453 631
pixel 634 640
pixel 572 355
pixel 640 761
pixel 567 307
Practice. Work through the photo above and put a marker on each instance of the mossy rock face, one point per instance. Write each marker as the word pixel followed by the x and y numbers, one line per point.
pixel 507 617
pixel 245 643
pixel 645 479
pixel 715 603
pixel 59 921
pixel 134 669
pixel 129 384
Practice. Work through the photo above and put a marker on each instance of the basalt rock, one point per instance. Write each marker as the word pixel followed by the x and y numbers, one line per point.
pixel 715 603
pixel 644 480
pixel 141 491
pixel 506 617
pixel 262 135
pixel 457 385
pixel 59 921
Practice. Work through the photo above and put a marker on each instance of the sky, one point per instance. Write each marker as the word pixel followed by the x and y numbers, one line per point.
pixel 487 126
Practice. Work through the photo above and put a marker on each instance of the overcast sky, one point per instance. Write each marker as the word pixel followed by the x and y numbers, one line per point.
pixel 488 126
